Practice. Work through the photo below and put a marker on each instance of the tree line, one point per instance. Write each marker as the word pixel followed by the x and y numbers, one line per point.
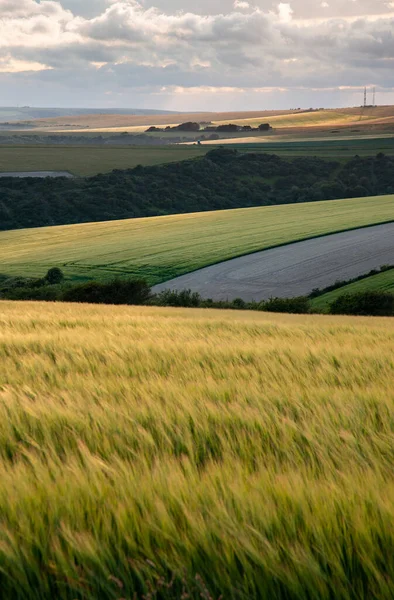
pixel 53 288
pixel 223 179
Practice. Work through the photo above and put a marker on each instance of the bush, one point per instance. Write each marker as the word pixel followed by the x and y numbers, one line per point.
pixel 185 298
pixel 115 292
pixel 54 275
pixel 299 305
pixel 364 304
pixel 42 294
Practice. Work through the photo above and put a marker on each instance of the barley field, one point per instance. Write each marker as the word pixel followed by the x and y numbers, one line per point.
pixel 160 248
pixel 182 454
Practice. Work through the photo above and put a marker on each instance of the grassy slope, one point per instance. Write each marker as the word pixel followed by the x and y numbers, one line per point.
pixel 90 160
pixel 336 117
pixel 383 282
pixel 234 451
pixel 159 248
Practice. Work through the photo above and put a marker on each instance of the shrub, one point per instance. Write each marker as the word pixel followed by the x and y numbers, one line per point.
pixel 185 298
pixel 118 291
pixel 239 304
pixel 43 294
pixel 299 305
pixel 364 304
pixel 54 275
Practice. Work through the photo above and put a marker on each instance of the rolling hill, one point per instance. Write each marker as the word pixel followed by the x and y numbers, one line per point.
pixel 160 248
pixel 14 114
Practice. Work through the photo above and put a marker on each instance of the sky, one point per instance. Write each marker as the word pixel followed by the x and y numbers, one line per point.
pixel 195 55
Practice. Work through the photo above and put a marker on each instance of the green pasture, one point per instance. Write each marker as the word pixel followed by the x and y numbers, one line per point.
pixel 160 248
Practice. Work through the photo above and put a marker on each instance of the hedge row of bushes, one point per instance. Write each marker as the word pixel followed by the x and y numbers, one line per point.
pixel 138 292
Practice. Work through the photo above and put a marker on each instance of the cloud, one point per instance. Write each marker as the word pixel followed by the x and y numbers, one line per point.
pixel 130 46
pixel 13 65
pixel 241 4
pixel 285 12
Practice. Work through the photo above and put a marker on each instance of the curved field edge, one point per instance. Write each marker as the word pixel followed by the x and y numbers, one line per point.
pixel 381 282
pixel 162 248
pixel 194 453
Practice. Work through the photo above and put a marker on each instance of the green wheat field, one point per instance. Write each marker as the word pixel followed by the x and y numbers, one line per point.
pixel 183 454
pixel 159 248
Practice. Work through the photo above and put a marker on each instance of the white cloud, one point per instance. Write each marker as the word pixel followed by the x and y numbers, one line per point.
pixel 241 4
pixel 285 12
pixel 13 65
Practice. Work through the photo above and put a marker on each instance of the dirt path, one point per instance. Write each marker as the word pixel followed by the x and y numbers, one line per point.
pixel 295 269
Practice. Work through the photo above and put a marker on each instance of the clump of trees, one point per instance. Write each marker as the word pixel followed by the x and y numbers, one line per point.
pixel 225 128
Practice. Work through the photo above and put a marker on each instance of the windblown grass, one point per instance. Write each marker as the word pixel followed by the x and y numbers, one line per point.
pixel 160 248
pixel 158 453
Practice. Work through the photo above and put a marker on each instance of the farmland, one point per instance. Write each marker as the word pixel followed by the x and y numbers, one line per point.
pixel 87 161
pixel 194 452
pixel 90 160
pixel 340 147
pixel 106 121
pixel 322 118
pixel 160 248
pixel 341 117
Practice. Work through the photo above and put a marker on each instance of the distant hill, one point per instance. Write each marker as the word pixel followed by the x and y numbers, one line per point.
pixel 13 113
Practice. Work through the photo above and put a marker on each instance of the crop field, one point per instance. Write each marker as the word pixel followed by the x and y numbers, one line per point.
pixel 382 282
pixel 160 248
pixel 168 454
pixel 334 117
pixel 323 147
pixel 278 118
pixel 91 160
pixel 86 161
pixel 110 121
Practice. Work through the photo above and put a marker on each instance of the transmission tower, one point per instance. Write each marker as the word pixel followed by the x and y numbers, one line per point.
pixel 365 97
pixel 374 97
